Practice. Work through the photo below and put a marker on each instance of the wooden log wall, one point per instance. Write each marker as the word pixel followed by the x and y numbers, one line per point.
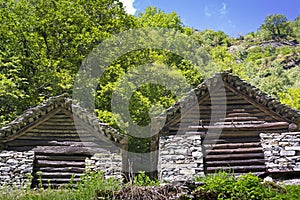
pixel 60 152
pixel 231 143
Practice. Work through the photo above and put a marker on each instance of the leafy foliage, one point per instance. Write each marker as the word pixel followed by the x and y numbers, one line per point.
pixel 223 185
pixel 276 26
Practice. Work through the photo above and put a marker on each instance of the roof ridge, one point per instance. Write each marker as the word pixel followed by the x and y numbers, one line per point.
pixel 244 87
pixel 63 101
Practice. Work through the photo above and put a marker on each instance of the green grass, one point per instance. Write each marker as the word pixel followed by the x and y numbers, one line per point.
pixel 221 185
pixel 90 185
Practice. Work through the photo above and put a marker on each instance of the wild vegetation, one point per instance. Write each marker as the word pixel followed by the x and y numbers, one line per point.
pixel 221 185
pixel 44 43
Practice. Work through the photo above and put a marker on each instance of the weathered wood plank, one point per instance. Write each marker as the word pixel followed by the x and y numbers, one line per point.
pixel 234 156
pixel 21 142
pixel 61 158
pixel 60 169
pixel 234 145
pixel 56 180
pixel 68 150
pixel 55 163
pixel 231 140
pixel 60 138
pixel 34 124
pixel 238 168
pixel 268 126
pixel 59 175
pixel 235 162
pixel 258 105
pixel 235 151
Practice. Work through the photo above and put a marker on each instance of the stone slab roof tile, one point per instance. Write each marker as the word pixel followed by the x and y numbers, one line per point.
pixel 63 101
pixel 243 87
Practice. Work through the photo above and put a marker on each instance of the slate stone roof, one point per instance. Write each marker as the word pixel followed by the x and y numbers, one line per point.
pixel 62 101
pixel 289 114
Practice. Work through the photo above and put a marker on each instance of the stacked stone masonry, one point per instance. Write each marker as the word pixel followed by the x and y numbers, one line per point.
pixel 110 164
pixel 180 157
pixel 281 151
pixel 16 168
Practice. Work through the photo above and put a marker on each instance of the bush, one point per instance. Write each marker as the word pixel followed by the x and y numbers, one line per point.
pixel 223 185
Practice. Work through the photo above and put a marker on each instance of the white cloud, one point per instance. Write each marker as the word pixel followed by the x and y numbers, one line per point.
pixel 214 10
pixel 129 8
pixel 223 10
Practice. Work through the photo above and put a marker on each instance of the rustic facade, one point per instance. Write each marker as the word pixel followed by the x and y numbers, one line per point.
pixel 229 117
pixel 60 149
pixel 233 126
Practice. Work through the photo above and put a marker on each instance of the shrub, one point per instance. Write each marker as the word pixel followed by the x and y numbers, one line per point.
pixel 223 185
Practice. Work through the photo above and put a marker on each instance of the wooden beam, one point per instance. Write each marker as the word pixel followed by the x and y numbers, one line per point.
pixel 258 105
pixel 32 125
pixel 232 151
pixel 234 156
pixel 235 162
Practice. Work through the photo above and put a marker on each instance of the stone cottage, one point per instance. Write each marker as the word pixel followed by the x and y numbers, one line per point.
pixel 223 124
pixel 45 143
pixel 233 126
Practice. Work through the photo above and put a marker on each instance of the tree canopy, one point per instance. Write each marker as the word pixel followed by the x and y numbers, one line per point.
pixel 43 44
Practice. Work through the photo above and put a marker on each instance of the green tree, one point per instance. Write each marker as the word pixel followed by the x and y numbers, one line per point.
pixel 49 40
pixel 155 17
pixel 296 28
pixel 276 26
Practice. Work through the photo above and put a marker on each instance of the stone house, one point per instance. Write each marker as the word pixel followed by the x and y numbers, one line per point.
pixel 45 142
pixel 223 124
pixel 227 124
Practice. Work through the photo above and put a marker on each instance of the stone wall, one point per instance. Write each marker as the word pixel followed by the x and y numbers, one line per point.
pixel 16 168
pixel 282 151
pixel 110 164
pixel 180 157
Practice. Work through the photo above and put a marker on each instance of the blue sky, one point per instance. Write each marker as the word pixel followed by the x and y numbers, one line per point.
pixel 234 17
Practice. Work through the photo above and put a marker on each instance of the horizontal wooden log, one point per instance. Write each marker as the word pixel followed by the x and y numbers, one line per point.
pixel 75 131
pixel 20 142
pixel 61 158
pixel 266 126
pixel 236 151
pixel 65 120
pixel 238 123
pixel 239 114
pixel 60 169
pixel 56 180
pixel 51 163
pixel 58 175
pixel 229 119
pixel 57 126
pixel 207 135
pixel 22 148
pixel 244 156
pixel 49 150
pixel 51 123
pixel 232 134
pixel 60 113
pixel 36 184
pixel 230 140
pixel 253 168
pixel 235 162
pixel 234 145
pixel 66 138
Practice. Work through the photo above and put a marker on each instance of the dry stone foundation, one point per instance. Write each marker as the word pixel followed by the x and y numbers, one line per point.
pixel 281 151
pixel 110 164
pixel 16 168
pixel 180 157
